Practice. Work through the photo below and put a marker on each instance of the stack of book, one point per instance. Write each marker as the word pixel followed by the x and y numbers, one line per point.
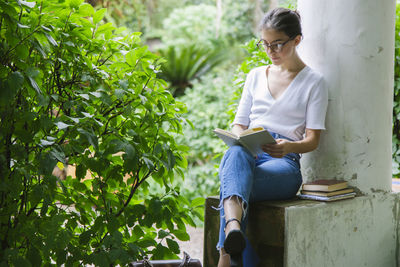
pixel 326 190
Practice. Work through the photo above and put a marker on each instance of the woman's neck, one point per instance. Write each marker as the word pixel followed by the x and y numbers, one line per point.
pixel 293 64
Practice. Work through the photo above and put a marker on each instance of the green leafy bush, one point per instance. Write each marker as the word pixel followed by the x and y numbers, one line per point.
pixel 396 100
pixel 77 91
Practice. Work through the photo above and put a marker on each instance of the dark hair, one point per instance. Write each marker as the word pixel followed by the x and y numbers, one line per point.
pixel 283 20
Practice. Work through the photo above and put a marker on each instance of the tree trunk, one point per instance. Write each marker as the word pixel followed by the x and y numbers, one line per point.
pixel 273 4
pixel 219 18
pixel 258 14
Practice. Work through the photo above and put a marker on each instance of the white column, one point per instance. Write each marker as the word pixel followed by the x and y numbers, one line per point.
pixel 351 42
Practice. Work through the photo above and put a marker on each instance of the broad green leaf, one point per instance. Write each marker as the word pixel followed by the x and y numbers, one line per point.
pixel 34 85
pixel 101 259
pixel 149 163
pixel 75 120
pixel 87 115
pixel 61 254
pixel 98 15
pixel 173 246
pixel 32 72
pixel 96 94
pixel 162 234
pixel 198 202
pixel 22 51
pixel 155 206
pixel 74 3
pixel 90 137
pixel 23 26
pixel 86 10
pixel 113 225
pixel 104 28
pixel 131 58
pixel 84 238
pixel 21 262
pixel 26 3
pixel 80 171
pixel 85 96
pixel 58 154
pixel 61 125
pixel 46 143
pixel 145 243
pixel 138 231
pixel 181 235
pixel 51 39
pixel 34 256
pixel 45 28
pixel 15 82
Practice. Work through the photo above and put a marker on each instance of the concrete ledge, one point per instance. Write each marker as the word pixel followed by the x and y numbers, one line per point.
pixel 357 232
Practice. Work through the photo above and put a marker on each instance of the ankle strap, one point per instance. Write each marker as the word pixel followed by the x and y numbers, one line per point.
pixel 231 220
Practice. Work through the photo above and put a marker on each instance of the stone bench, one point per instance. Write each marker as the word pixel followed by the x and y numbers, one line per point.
pixel 357 232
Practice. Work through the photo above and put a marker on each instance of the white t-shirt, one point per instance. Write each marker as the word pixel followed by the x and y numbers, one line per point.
pixel 302 105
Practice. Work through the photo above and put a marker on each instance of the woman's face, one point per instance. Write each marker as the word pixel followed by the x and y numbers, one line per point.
pixel 278 45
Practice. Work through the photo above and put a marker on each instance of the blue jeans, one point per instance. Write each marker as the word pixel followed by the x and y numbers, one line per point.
pixel 256 179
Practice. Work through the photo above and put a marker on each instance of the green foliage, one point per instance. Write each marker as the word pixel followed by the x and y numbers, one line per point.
pixel 186 63
pixel 255 58
pixel 143 15
pixel 396 102
pixel 238 18
pixel 191 24
pixel 208 102
pixel 77 91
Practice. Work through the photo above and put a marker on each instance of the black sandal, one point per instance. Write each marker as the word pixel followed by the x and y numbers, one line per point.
pixel 234 244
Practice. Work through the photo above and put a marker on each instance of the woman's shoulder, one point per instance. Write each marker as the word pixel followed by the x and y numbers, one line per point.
pixel 313 74
pixel 258 70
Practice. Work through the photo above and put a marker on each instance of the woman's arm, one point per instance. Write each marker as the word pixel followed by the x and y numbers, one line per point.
pixel 283 146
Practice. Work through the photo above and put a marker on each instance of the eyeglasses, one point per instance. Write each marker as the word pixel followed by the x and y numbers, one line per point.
pixel 262 44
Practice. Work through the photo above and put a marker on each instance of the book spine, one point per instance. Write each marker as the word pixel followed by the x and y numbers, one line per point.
pixel 321 198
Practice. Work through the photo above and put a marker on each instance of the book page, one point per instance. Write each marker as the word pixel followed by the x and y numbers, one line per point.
pixel 225 132
pixel 229 138
pixel 251 130
pixel 255 140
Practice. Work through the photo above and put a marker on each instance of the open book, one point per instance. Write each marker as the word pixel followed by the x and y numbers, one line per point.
pixel 252 139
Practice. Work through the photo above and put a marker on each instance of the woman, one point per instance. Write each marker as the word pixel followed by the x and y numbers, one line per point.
pixel 289 100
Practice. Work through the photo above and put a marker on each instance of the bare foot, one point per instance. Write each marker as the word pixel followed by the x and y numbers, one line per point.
pixel 224 259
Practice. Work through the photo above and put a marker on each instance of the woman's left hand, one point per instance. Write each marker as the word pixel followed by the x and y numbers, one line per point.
pixel 278 150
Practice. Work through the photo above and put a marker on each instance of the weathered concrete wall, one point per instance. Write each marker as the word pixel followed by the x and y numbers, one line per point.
pixel 357 232
pixel 351 42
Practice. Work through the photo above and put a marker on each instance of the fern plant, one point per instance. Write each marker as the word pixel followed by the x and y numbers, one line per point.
pixel 187 63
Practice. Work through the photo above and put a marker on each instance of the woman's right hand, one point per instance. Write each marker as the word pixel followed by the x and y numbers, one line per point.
pixel 238 129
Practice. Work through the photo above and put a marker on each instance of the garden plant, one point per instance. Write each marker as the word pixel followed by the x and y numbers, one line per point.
pixel 76 91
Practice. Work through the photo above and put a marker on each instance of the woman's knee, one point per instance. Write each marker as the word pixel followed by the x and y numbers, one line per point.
pixel 238 151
